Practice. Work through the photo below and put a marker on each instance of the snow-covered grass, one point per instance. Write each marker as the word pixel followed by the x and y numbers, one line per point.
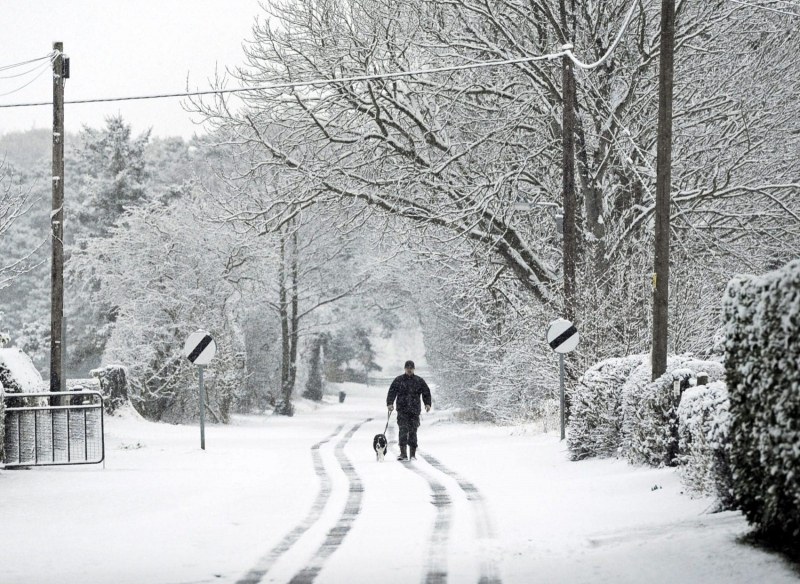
pixel 164 511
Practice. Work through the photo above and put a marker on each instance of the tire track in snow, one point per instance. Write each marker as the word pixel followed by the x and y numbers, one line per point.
pixel 436 572
pixel 352 508
pixel 257 573
pixel 489 573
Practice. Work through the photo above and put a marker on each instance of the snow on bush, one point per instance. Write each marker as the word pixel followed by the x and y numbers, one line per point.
pixel 2 423
pixel 704 445
pixel 762 353
pixel 595 421
pixel 114 386
pixel 650 409
pixel 17 372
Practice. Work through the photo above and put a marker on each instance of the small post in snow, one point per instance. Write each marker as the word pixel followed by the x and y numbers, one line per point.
pixel 562 336
pixel 200 348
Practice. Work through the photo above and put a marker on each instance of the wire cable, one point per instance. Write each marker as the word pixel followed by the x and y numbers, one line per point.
pixel 309 83
pixel 48 56
pixel 567 51
pixel 29 71
pixel 44 68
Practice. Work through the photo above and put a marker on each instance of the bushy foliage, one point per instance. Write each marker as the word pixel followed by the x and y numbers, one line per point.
pixel 2 423
pixel 704 443
pixel 762 352
pixel 595 421
pixel 114 385
pixel 349 355
pixel 650 409
pixel 521 389
pixel 315 382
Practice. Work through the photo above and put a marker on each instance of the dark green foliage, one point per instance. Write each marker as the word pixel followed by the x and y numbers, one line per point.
pixel 343 350
pixel 314 384
pixel 762 352
pixel 114 385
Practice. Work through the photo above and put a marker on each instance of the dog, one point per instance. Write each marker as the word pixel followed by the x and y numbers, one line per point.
pixel 379 446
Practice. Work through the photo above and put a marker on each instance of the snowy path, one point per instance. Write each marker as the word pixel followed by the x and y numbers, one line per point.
pixel 304 500
pixel 438 548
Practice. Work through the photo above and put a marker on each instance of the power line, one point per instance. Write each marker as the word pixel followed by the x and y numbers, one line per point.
pixel 373 77
pixel 310 83
pixel 762 7
pixel 43 68
pixel 48 56
pixel 24 73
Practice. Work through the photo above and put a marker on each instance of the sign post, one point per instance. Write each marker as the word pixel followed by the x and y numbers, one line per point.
pixel 199 349
pixel 562 336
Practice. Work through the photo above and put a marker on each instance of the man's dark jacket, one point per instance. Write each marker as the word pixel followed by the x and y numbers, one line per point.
pixel 408 389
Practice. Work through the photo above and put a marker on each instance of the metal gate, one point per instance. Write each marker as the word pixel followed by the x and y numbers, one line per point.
pixel 37 434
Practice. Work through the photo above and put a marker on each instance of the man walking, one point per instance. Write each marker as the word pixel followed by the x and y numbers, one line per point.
pixel 407 389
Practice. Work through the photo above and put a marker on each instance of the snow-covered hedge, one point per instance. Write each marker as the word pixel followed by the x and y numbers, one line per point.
pixel 595 421
pixel 650 409
pixel 17 372
pixel 114 386
pixel 762 353
pixel 704 444
pixel 2 423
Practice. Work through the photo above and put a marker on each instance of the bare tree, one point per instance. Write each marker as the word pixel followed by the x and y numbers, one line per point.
pixel 15 201
pixel 443 157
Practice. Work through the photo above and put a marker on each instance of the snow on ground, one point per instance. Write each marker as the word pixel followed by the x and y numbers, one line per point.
pixel 495 502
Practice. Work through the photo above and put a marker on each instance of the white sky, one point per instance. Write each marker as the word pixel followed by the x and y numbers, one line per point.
pixel 120 48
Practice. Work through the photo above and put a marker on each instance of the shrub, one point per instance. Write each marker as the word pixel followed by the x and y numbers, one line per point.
pixel 704 444
pixel 595 421
pixel 762 352
pixel 2 423
pixel 114 385
pixel 650 409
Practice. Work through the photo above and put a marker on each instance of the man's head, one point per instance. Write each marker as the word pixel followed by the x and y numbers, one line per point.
pixel 409 367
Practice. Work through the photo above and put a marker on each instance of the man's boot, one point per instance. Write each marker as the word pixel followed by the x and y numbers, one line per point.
pixel 413 453
pixel 402 454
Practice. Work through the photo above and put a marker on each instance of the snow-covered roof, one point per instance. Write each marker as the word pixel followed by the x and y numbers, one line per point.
pixel 22 369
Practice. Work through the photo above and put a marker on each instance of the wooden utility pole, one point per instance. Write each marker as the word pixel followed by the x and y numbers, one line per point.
pixel 568 185
pixel 663 186
pixel 57 381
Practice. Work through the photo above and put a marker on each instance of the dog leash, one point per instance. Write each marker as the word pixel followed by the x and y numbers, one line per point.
pixel 389 417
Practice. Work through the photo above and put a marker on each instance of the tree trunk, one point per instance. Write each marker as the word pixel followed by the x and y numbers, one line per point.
pixel 294 317
pixel 284 406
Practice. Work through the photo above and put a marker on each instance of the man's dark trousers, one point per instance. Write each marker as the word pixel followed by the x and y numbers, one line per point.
pixel 408 424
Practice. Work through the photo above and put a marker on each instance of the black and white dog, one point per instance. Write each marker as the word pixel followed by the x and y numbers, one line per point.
pixel 379 446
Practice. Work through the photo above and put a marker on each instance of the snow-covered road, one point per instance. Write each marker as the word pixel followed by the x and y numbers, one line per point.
pixel 303 499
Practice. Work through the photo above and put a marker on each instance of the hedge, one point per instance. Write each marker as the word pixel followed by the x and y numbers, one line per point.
pixel 704 443
pixel 762 357
pixel 2 423
pixel 595 421
pixel 650 409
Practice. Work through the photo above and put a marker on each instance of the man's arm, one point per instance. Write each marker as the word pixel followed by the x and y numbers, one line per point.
pixel 426 395
pixel 391 395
